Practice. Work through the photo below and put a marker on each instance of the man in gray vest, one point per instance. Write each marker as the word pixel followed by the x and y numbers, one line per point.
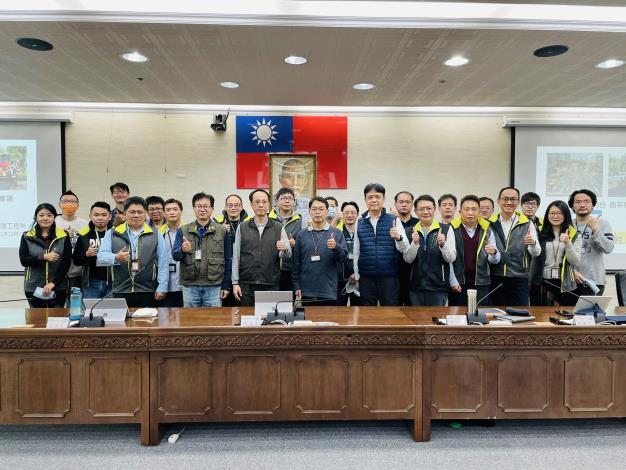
pixel 204 250
pixel 138 256
pixel 260 244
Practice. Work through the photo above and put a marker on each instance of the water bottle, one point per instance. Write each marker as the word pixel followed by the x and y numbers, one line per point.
pixel 76 304
pixel 471 301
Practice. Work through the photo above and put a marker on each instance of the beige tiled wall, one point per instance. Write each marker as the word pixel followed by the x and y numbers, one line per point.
pixel 176 155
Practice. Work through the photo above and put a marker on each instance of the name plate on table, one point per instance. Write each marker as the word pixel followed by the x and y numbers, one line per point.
pixel 251 320
pixel 584 320
pixel 58 322
pixel 457 320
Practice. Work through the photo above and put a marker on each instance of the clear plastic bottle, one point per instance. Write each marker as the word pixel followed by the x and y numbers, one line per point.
pixel 76 304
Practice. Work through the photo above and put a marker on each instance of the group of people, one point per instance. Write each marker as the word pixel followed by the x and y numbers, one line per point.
pixel 419 251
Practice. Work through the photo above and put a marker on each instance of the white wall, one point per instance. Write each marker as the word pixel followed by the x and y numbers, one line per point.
pixel 147 150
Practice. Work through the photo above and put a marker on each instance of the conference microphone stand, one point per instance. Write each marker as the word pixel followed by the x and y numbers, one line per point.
pixel 598 313
pixel 478 317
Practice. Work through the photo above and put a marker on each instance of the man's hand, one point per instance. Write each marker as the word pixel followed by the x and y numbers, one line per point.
pixel 281 245
pixel 123 255
pixel 159 295
pixel 292 241
pixel 393 231
pixel 490 249
pixel 48 288
pixel 441 239
pixel 299 294
pixel 224 294
pixel 415 238
pixel 186 246
pixel 528 239
pixel 91 252
pixel 119 219
pixel 237 291
pixel 457 288
pixel 351 279
pixel 52 256
pixel 331 243
pixel 593 223
pixel 580 279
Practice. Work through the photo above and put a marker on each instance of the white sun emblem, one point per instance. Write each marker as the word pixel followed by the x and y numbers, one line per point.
pixel 263 132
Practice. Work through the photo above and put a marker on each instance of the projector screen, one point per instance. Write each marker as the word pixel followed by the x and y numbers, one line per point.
pixel 30 173
pixel 555 161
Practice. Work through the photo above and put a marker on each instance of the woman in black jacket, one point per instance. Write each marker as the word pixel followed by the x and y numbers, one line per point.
pixel 46 253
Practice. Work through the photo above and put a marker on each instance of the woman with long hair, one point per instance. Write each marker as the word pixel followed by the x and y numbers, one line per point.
pixel 561 248
pixel 46 253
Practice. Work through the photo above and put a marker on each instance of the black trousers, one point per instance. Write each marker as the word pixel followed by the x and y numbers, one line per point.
pixel 230 301
pixel 172 299
pixel 513 293
pixel 459 299
pixel 248 290
pixel 285 280
pixel 379 290
pixel 57 302
pixel 137 299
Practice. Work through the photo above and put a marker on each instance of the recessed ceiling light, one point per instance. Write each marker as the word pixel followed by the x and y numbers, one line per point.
pixel 551 51
pixel 296 60
pixel 34 44
pixel 134 57
pixel 456 61
pixel 362 86
pixel 610 64
pixel 229 84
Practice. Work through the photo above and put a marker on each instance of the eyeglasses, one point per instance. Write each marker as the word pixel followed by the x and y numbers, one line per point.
pixel 530 204
pixel 509 199
pixel 555 214
pixel 285 198
pixel 204 207
pixel 71 203
pixel 233 206
pixel 155 209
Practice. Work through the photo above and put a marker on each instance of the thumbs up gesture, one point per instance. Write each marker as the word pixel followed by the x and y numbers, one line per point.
pixel 331 243
pixel 441 239
pixel 528 239
pixel 490 249
pixel 393 231
pixel 565 239
pixel 123 255
pixel 186 246
pixel 415 238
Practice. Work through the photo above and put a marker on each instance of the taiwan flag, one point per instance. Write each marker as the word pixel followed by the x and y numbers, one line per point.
pixel 260 136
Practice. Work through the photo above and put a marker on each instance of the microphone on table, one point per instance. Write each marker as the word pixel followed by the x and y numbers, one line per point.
pixel 91 321
pixel 598 312
pixel 479 317
pixel 297 313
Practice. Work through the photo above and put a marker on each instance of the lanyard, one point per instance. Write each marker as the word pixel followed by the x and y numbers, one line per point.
pixel 316 244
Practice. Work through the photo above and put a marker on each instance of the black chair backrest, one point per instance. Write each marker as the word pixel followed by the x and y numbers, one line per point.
pixel 620 285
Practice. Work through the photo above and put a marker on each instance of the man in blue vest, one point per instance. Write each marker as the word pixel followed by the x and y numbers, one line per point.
pixel 378 238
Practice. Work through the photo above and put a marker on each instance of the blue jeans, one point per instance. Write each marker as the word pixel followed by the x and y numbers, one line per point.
pixel 202 296
pixel 97 289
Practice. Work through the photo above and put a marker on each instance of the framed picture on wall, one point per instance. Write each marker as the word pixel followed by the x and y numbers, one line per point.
pixel 297 171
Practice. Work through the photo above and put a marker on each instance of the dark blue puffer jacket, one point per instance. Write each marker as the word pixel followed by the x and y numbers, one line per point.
pixel 378 255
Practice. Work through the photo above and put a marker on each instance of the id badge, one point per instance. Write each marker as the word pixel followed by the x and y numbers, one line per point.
pixel 198 254
pixel 134 265
pixel 172 267
pixel 315 258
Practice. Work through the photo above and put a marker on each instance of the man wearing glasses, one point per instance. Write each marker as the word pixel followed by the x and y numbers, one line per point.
pixel 516 240
pixel 530 205
pixel 285 203
pixel 232 215
pixel 156 211
pixel 71 224
pixel 138 256
pixel 260 245
pixel 204 250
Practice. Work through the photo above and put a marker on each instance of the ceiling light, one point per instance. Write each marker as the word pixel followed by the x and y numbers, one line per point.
pixel 34 44
pixel 229 84
pixel 456 61
pixel 362 86
pixel 134 57
pixel 551 51
pixel 610 64
pixel 296 60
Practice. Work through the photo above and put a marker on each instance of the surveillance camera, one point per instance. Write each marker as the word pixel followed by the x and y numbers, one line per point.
pixel 219 122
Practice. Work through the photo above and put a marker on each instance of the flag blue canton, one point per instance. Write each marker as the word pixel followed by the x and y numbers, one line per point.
pixel 257 134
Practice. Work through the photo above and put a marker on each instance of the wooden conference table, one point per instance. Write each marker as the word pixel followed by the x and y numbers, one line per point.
pixel 197 365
